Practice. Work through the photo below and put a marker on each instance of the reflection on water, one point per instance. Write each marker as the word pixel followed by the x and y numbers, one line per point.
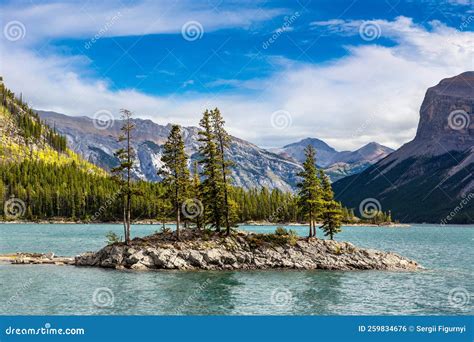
pixel 446 286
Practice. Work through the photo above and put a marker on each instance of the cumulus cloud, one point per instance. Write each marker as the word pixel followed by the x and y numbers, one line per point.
pixel 372 94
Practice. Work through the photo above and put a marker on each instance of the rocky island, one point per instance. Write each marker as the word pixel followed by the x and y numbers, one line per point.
pixel 206 250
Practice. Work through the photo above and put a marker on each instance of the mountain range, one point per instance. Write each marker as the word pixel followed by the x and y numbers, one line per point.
pixel 336 164
pixel 429 179
pixel 253 166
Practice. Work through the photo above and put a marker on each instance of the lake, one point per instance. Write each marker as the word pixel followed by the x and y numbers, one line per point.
pixel 445 288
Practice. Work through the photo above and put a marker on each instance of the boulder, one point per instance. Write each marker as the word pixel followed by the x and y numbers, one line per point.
pixel 139 267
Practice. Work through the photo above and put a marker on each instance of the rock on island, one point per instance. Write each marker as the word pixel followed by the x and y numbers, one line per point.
pixel 206 250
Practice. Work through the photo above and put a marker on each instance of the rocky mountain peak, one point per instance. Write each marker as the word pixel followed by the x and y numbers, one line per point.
pixel 459 86
pixel 316 143
pixel 446 120
pixel 446 112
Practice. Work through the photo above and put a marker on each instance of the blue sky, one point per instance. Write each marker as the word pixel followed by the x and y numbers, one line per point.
pixel 348 72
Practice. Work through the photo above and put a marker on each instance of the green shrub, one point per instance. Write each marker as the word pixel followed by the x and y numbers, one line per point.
pixel 292 237
pixel 337 250
pixel 165 230
pixel 280 231
pixel 112 238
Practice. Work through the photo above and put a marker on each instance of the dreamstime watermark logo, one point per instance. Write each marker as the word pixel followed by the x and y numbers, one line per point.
pixel 18 293
pixel 102 30
pixel 192 208
pixel 110 200
pixel 288 21
pixel 47 329
pixel 103 119
pixel 14 30
pixel 369 30
pixel 276 214
pixel 459 119
pixel 281 119
pixel 369 208
pixel 364 126
pixel 192 30
pixel 459 297
pixel 14 208
pixel 193 297
pixel 281 297
pixel 103 297
pixel 462 204
pixel 466 23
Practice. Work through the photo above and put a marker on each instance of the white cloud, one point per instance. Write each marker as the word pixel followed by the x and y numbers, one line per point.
pixel 81 19
pixel 372 94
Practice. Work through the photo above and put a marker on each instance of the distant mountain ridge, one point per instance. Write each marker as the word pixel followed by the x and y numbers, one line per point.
pixel 253 166
pixel 327 155
pixel 336 164
pixel 429 179
pixel 296 151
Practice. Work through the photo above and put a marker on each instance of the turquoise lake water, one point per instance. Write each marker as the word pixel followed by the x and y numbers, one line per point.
pixel 445 288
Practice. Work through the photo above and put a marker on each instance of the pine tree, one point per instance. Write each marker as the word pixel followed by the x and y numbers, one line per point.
pixel 175 172
pixel 309 195
pixel 222 142
pixel 212 185
pixel 126 156
pixel 331 210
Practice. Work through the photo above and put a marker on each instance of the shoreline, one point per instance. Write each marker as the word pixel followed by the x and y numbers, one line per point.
pixel 251 223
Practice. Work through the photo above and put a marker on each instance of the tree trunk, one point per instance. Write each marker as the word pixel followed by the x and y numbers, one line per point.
pixel 198 222
pixel 224 177
pixel 125 220
pixel 129 195
pixel 217 219
pixel 226 202
pixel 178 213
pixel 178 218
pixel 129 210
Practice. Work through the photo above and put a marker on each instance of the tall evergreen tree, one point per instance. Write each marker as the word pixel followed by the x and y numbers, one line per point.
pixel 309 195
pixel 126 156
pixel 222 142
pixel 212 185
pixel 175 172
pixel 332 211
